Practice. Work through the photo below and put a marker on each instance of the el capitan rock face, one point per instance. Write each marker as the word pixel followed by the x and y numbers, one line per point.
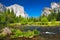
pixel 18 10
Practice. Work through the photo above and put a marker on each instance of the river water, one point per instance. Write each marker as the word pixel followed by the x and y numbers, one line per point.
pixel 46 33
pixel 55 30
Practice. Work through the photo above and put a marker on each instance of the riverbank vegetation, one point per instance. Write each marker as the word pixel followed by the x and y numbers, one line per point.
pixel 15 33
pixel 9 18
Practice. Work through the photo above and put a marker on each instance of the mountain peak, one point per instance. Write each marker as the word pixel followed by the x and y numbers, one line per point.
pixel 54 5
pixel 18 10
pixel 16 4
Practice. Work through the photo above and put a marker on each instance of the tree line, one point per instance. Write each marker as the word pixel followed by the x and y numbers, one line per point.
pixel 8 17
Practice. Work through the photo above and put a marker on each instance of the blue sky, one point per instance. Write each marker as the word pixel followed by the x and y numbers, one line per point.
pixel 32 7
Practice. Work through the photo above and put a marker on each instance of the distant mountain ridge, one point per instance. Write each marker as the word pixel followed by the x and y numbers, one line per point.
pixel 54 6
pixel 18 9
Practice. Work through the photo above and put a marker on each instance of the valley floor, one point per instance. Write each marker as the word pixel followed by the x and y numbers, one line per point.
pixel 48 24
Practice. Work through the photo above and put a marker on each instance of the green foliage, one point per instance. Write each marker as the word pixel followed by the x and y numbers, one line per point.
pixel 18 33
pixel 44 20
pixel 53 21
pixel 8 17
pixel 24 22
pixel 52 16
pixel 29 34
pixel 58 16
pixel 13 31
pixel 36 32
pixel 2 35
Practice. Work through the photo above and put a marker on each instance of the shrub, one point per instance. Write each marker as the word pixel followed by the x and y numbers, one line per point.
pixel 36 32
pixel 44 21
pixel 53 21
pixel 18 33
pixel 13 31
pixel 29 34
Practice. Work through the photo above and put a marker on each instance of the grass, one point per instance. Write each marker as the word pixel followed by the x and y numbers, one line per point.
pixel 49 24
